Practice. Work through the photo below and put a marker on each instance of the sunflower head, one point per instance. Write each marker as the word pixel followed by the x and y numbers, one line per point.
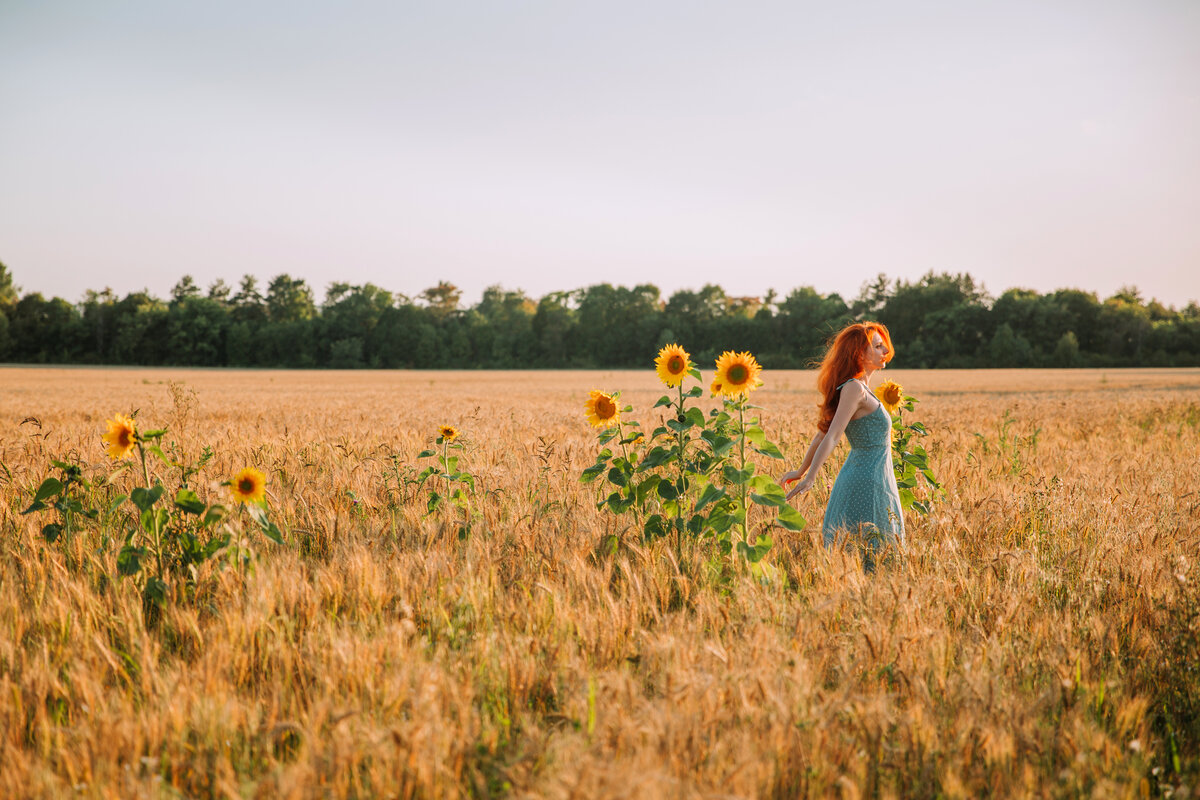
pixel 121 436
pixel 447 433
pixel 890 394
pixel 601 409
pixel 249 486
pixel 715 389
pixel 737 374
pixel 673 364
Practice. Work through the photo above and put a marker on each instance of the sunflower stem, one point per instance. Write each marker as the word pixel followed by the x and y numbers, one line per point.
pixel 741 406
pixel 679 497
pixel 153 516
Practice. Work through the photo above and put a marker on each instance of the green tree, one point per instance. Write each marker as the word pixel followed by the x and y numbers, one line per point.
pixel 442 299
pixel 289 299
pixel 8 291
pixel 553 329
pixel 249 306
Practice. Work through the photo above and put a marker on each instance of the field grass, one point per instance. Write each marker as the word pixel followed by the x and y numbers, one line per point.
pixel 1039 637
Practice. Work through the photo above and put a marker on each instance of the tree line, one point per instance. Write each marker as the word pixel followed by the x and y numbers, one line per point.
pixel 941 320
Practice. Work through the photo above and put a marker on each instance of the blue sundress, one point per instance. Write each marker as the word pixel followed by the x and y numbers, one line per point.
pixel 865 503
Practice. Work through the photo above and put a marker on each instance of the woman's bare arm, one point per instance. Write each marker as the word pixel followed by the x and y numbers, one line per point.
pixel 849 398
pixel 798 473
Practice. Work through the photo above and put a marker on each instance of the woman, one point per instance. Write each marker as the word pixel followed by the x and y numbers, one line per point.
pixel 864 502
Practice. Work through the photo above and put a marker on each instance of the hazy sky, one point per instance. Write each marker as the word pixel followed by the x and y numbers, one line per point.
pixel 553 145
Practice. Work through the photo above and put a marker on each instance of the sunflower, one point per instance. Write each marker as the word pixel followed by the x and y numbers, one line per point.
pixel 890 394
pixel 121 436
pixel 249 486
pixel 601 409
pixel 672 364
pixel 737 374
pixel 715 389
pixel 448 433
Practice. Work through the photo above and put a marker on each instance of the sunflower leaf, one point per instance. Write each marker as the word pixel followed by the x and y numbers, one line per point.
pixel 129 559
pixel 646 487
pixel 50 486
pixel 695 391
pixel 272 532
pixel 665 400
pixel 594 471
pixel 770 450
pixel 188 501
pixel 791 519
pixel 711 494
pixel 426 453
pixel 143 498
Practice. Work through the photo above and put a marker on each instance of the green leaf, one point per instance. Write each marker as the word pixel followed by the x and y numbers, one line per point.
pixel 608 434
pixel 721 520
pixel 427 453
pixel 37 505
pixel 116 503
pixel 755 553
pixel 155 450
pixel 51 531
pixel 694 416
pixel 769 449
pixel 662 401
pixel 907 498
pixel 187 500
pixel 272 532
pixel 695 391
pixel 432 504
pixel 677 426
pixel 735 476
pixel 646 487
pixel 50 486
pixel 144 498
pixel 129 559
pixel 151 516
pixel 711 494
pixel 755 435
pixel 594 471
pixel 654 527
pixel 719 443
pixel 157 433
pixel 657 456
pixel 791 519
pixel 215 514
pixel 155 591
pixel 617 477
pixel 667 490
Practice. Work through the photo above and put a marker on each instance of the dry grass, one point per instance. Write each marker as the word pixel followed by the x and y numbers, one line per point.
pixel 1038 638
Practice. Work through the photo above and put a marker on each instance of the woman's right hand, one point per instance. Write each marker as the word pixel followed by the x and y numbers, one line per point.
pixel 803 486
pixel 792 475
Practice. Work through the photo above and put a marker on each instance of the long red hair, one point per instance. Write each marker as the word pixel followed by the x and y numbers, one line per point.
pixel 845 359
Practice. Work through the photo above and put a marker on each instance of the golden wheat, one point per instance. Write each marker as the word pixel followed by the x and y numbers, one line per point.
pixel 1025 644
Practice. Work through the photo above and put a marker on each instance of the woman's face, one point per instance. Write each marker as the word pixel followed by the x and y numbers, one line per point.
pixel 877 352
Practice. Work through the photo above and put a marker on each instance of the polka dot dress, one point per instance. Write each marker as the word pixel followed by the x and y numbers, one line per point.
pixel 864 506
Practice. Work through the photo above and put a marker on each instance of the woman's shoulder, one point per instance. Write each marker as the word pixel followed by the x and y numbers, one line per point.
pixel 852 386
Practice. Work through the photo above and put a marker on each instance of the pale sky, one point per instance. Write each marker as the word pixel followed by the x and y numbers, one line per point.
pixel 553 145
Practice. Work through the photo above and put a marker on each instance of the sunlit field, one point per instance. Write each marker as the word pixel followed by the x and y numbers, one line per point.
pixel 1040 635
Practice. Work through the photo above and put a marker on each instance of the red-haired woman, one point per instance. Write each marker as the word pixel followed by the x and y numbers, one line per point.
pixel 864 502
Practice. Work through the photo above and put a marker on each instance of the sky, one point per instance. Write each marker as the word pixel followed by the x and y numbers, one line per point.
pixel 551 145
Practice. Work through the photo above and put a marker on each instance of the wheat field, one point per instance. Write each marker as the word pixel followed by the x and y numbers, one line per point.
pixel 1038 637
